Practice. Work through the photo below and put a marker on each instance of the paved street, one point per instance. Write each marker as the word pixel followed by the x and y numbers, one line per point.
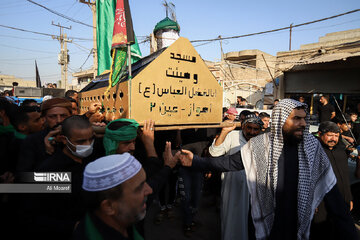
pixel 208 216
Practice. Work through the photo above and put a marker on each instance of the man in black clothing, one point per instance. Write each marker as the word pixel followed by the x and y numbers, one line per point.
pixel 26 120
pixel 288 175
pixel 41 145
pixel 344 123
pixel 55 215
pixel 355 126
pixel 326 111
pixel 329 134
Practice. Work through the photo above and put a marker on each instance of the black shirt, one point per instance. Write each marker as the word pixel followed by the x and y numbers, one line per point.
pixel 339 162
pixel 53 215
pixel 324 112
pixel 355 128
pixel 342 222
pixel 106 232
pixel 33 151
pixel 285 221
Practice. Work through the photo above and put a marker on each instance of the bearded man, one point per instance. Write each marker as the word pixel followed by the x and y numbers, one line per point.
pixel 288 175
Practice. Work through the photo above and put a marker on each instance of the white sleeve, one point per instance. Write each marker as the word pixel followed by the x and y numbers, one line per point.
pixel 223 148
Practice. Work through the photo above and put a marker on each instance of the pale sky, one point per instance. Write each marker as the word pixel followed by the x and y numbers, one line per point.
pixel 198 19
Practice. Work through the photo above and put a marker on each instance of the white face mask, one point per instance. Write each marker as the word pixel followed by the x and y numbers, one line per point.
pixel 82 151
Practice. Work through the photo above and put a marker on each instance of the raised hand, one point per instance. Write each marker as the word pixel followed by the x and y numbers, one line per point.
pixel 96 117
pixel 50 140
pixel 94 107
pixel 169 159
pixel 147 137
pixel 229 128
pixel 185 157
pixel 147 134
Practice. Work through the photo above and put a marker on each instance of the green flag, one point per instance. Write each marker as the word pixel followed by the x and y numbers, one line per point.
pixel 105 13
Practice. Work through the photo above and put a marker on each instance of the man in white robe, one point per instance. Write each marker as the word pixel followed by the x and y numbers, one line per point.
pixel 234 190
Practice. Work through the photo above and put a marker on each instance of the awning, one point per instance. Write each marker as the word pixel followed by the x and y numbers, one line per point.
pixel 324 58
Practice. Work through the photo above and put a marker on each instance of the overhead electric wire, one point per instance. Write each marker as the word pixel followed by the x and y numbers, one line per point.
pixel 27 59
pixel 334 25
pixel 40 33
pixel 81 47
pixel 17 37
pixel 60 14
pixel 201 44
pixel 86 58
pixel 31 50
pixel 278 29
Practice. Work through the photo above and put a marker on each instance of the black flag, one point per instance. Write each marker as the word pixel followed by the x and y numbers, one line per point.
pixel 38 81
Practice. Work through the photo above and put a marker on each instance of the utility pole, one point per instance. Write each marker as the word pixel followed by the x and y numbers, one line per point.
pixel 291 25
pixel 221 48
pixel 63 56
pixel 92 6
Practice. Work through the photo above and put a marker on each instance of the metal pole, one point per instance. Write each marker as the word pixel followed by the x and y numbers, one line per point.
pixel 63 53
pixel 221 48
pixel 92 5
pixel 95 60
pixel 290 37
pixel 66 62
pixel 344 118
pixel 273 80
pixel 130 76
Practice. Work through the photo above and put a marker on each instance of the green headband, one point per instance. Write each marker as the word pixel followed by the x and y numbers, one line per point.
pixel 124 133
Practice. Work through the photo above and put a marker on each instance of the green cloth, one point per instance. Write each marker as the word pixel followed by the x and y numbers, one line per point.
pixel 93 234
pixel 19 135
pixel 7 129
pixel 105 16
pixel 137 235
pixel 167 23
pixel 119 65
pixel 90 230
pixel 125 133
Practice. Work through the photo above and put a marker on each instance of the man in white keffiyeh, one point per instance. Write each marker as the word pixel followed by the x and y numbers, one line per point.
pixel 288 144
pixel 288 175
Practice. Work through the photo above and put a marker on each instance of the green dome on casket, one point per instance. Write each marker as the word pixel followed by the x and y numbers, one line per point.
pixel 167 23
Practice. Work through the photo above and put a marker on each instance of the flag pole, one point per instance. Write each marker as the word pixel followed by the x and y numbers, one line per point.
pixel 129 58
pixel 130 75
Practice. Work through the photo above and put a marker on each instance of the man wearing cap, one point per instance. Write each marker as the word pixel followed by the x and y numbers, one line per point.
pixel 329 134
pixel 120 137
pixel 231 114
pixel 115 191
pixel 37 147
pixel 234 191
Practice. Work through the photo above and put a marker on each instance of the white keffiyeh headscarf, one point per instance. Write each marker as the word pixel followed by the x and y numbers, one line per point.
pixel 260 157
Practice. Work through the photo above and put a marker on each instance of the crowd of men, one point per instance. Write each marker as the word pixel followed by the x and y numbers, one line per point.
pixel 279 181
